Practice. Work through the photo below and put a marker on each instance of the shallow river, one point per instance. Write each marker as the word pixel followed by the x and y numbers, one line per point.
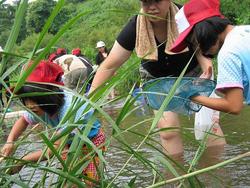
pixel 235 128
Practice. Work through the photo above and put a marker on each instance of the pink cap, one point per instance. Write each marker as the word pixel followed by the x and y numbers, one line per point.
pixel 190 14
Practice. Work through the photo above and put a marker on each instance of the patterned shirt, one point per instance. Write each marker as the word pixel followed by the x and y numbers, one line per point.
pixel 234 61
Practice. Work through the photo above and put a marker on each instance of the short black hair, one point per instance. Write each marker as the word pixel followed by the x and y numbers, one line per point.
pixel 206 32
pixel 50 103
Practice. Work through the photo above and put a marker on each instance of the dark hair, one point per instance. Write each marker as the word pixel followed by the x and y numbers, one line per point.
pixel 206 32
pixel 105 50
pixel 50 103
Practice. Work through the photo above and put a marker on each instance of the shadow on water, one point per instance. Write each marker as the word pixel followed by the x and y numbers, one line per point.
pixel 235 174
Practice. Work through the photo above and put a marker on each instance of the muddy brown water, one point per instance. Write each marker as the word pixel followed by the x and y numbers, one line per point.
pixel 235 128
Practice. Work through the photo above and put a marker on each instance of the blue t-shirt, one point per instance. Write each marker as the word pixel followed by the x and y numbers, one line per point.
pixel 54 121
pixel 234 61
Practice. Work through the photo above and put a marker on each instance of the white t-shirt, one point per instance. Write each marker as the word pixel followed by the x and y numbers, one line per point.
pixel 69 63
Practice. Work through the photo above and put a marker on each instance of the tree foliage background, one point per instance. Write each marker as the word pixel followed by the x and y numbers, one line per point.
pixel 100 25
pixel 103 23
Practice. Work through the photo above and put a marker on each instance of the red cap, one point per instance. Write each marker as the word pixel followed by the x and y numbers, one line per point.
pixel 52 57
pixel 46 72
pixel 76 51
pixel 190 14
pixel 61 51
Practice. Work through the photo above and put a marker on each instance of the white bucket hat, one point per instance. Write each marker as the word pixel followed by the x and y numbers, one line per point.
pixel 1 49
pixel 100 44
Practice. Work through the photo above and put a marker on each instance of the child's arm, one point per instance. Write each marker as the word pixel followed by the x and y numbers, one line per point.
pixel 35 156
pixel 17 129
pixel 232 102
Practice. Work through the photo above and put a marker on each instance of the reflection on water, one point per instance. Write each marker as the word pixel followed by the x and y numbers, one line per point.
pixel 235 174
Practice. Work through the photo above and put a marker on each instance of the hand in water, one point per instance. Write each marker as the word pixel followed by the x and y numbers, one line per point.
pixel 7 149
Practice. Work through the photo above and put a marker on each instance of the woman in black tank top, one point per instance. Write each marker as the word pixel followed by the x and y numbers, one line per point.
pixel 158 64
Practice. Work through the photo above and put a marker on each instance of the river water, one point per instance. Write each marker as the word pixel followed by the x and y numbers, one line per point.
pixel 234 174
pixel 235 128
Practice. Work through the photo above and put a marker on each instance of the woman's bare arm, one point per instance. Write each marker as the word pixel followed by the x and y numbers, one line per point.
pixel 117 56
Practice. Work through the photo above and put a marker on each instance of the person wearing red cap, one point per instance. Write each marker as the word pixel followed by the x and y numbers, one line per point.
pixel 77 70
pixel 61 51
pixel 76 52
pixel 205 28
pixel 51 107
pixel 151 37
pixel 52 57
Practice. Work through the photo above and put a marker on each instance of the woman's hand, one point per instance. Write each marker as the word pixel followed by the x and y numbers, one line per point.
pixel 206 66
pixel 207 73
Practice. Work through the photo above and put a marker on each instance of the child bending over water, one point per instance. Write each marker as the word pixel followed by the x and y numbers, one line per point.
pixel 51 108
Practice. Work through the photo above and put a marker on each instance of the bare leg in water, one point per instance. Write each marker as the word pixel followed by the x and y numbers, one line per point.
pixel 170 139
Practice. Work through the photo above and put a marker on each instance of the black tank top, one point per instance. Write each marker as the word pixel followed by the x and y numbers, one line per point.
pixel 167 64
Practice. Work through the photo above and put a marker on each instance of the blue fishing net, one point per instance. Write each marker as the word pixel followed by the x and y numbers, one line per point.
pixel 157 90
